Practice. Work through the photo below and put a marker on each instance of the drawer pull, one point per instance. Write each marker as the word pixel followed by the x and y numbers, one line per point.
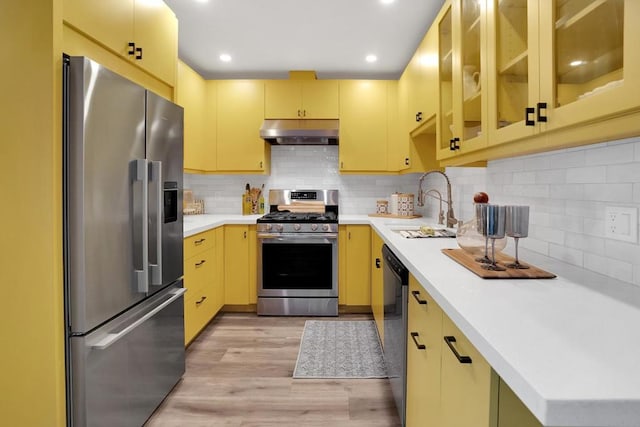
pixel 542 106
pixel 199 242
pixel 414 336
pixel 377 262
pixel 420 301
pixel 462 359
pixel 199 264
pixel 201 300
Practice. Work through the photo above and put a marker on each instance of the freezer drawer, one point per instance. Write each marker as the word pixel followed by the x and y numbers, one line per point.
pixel 123 370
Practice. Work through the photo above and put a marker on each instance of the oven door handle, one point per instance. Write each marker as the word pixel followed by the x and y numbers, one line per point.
pixel 281 237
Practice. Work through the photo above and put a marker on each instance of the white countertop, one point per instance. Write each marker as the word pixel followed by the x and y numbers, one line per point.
pixel 569 347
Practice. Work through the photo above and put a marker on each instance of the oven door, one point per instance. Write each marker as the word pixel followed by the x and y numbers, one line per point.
pixel 298 265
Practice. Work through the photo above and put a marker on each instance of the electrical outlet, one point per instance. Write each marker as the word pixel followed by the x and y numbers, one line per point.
pixel 621 223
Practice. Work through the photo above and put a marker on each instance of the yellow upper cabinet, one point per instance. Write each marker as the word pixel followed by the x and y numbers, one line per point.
pixel 363 125
pixel 155 34
pixel 462 60
pixel 422 76
pixel 294 99
pixel 144 31
pixel 561 63
pixel 239 117
pixel 193 94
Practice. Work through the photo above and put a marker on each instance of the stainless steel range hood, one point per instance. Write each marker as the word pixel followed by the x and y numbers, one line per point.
pixel 300 131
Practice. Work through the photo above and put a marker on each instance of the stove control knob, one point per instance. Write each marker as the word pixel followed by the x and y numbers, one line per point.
pixel 314 227
pixel 297 227
pixel 279 227
pixel 325 227
pixel 268 227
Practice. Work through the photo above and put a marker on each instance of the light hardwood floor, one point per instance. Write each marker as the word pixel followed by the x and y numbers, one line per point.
pixel 239 374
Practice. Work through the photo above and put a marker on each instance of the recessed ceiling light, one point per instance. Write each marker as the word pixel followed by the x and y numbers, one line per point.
pixel 371 58
pixel 387 1
pixel 225 57
pixel 577 63
pixel 202 1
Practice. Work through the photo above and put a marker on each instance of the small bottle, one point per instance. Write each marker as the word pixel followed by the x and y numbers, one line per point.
pixel 261 205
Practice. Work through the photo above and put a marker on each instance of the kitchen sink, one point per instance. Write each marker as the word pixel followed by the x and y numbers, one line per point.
pixel 412 231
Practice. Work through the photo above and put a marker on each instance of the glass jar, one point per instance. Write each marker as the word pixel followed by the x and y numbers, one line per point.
pixel 471 240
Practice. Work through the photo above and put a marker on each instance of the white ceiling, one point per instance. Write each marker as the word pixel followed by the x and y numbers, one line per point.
pixel 267 38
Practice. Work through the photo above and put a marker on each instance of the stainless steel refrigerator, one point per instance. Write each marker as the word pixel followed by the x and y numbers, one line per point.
pixel 123 161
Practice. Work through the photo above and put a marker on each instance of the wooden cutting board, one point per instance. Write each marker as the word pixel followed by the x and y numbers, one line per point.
pixel 468 261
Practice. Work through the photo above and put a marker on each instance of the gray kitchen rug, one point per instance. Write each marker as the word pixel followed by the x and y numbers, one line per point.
pixel 340 349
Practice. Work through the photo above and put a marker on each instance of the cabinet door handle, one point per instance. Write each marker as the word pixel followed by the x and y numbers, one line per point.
pixel 377 262
pixel 414 337
pixel 244 235
pixel 201 300
pixel 260 164
pixel 132 48
pixel 199 242
pixel 299 115
pixel 138 53
pixel 304 113
pixel 462 359
pixel 199 264
pixel 527 112
pixel 419 116
pixel 456 146
pixel 420 301
pixel 452 145
pixel 406 161
pixel 542 106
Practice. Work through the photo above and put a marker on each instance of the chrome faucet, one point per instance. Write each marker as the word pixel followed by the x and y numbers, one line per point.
pixel 451 219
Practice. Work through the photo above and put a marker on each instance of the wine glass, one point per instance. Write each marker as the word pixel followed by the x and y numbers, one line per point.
pixel 517 226
pixel 495 230
pixel 481 223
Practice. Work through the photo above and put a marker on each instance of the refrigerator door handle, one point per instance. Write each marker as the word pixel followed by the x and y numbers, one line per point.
pixel 155 173
pixel 141 244
pixel 110 339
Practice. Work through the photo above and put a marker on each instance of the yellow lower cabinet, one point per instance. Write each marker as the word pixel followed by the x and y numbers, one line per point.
pixel 355 273
pixel 202 279
pixel 197 313
pixel 423 358
pixel 469 386
pixel 236 265
pixel 511 410
pixel 377 290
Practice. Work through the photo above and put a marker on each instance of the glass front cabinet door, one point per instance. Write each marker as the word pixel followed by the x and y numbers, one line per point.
pixel 559 63
pixel 463 64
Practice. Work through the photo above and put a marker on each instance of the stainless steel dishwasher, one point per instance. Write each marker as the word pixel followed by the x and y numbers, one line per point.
pixel 395 284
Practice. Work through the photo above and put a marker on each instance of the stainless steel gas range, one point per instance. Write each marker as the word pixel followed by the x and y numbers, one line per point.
pixel 298 254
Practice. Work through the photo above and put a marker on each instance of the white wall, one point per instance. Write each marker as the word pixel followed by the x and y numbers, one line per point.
pixel 567 190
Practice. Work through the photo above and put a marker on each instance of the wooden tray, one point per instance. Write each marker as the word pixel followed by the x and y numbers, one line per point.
pixel 395 216
pixel 468 261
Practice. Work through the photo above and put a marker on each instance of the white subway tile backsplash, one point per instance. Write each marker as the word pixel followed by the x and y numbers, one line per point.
pixel 594 174
pixel 608 154
pixel 620 193
pixel 609 267
pixel 628 172
pixel 566 159
pixel 524 178
pixel 548 234
pixel 567 190
pixel 585 243
pixel 562 191
pixel 568 255
pixel 622 251
pixel 550 176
